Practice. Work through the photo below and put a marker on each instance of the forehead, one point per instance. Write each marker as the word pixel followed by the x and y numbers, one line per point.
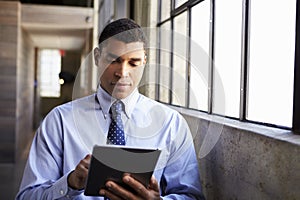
pixel 120 48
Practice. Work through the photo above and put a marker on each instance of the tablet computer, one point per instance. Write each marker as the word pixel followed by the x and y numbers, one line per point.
pixel 110 162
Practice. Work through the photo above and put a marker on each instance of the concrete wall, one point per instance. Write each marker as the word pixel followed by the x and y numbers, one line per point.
pixel 17 80
pixel 16 96
pixel 9 26
pixel 247 161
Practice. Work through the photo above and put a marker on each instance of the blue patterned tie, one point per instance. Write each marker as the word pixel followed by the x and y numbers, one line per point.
pixel 116 130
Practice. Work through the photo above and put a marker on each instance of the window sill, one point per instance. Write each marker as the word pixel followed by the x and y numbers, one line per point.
pixel 274 133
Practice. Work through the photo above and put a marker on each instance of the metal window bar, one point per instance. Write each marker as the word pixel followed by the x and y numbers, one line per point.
pixel 211 60
pixel 188 63
pixel 296 100
pixel 244 61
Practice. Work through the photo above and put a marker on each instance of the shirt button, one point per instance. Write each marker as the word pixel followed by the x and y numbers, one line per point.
pixel 62 192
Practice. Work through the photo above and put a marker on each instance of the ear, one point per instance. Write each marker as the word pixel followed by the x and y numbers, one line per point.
pixel 97 56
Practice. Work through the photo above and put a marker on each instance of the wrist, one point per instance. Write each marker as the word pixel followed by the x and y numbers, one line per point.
pixel 72 182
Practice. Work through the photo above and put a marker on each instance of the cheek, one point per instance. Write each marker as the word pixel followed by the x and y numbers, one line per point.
pixel 138 73
pixel 108 71
pixel 104 67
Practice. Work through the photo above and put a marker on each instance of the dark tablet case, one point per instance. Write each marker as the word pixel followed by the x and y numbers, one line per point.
pixel 111 162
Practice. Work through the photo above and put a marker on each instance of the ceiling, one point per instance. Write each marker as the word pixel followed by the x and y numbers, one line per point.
pixel 81 3
pixel 59 27
pixel 55 38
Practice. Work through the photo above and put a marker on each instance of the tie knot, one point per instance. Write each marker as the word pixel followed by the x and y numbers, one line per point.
pixel 116 108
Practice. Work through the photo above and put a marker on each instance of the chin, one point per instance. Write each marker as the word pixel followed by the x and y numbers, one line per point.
pixel 120 95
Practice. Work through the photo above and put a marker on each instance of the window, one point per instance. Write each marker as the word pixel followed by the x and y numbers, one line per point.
pixel 50 67
pixel 229 58
pixel 165 62
pixel 271 66
pixel 199 64
pixel 179 60
pixel 179 3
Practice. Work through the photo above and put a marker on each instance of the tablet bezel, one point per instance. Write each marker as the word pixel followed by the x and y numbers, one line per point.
pixel 110 162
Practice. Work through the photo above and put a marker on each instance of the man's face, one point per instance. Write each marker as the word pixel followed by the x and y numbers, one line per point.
pixel 122 65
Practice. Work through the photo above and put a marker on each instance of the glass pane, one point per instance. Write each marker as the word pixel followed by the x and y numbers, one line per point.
pixel 179 60
pixel 199 56
pixel 50 67
pixel 227 71
pixel 272 40
pixel 165 9
pixel 179 3
pixel 165 56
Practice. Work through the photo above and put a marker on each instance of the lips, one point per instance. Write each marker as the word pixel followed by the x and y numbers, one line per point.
pixel 121 83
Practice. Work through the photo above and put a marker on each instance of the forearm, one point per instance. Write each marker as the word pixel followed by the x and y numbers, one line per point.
pixel 48 191
pixel 181 179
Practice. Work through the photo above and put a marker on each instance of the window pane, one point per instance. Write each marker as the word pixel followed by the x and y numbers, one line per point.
pixel 271 64
pixel 227 71
pixel 165 56
pixel 199 56
pixel 165 9
pixel 50 67
pixel 179 3
pixel 179 60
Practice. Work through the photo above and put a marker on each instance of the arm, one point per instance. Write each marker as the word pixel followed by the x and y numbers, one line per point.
pixel 181 177
pixel 43 175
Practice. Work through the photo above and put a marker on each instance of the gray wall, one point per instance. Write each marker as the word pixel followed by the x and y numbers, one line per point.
pixel 248 161
pixel 16 96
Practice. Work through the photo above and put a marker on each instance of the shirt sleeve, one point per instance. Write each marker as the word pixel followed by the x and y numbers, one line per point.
pixel 181 177
pixel 43 177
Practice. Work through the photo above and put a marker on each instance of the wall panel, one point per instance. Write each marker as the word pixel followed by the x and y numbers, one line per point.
pixel 9 30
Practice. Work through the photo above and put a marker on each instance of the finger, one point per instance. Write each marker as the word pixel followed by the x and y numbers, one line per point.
pixel 117 190
pixel 154 184
pixel 109 194
pixel 86 161
pixel 82 168
pixel 136 185
pixel 88 157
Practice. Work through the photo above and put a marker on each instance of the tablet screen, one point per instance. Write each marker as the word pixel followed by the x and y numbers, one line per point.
pixel 111 162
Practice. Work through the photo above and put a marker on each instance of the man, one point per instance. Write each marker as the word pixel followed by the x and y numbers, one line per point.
pixel 59 158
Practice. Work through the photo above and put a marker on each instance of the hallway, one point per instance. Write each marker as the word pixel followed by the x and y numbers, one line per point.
pixel 27 29
pixel 233 74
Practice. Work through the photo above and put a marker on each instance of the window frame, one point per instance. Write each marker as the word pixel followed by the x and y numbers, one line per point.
pixel 296 100
pixel 244 78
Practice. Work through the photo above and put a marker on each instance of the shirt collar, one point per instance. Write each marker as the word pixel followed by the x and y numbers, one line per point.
pixel 106 100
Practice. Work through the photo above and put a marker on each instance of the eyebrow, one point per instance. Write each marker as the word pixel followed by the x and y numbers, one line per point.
pixel 117 57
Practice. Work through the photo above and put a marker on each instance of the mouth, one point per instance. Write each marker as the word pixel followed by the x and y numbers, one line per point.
pixel 121 83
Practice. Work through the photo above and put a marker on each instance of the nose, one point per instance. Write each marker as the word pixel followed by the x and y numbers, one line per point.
pixel 122 70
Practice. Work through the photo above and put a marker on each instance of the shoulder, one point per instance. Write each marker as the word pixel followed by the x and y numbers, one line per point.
pixel 81 103
pixel 67 110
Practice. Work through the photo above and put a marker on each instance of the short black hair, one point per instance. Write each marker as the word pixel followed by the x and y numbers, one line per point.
pixel 125 30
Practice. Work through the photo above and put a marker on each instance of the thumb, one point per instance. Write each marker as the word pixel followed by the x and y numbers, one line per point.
pixel 153 184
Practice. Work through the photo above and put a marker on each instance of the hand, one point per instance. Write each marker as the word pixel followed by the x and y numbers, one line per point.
pixel 77 178
pixel 116 192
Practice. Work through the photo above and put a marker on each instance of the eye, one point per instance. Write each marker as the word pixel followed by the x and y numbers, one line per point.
pixel 112 60
pixel 135 63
